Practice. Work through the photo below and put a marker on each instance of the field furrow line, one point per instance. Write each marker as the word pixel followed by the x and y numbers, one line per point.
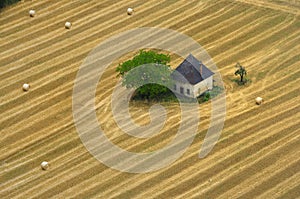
pixel 15 12
pixel 282 187
pixel 279 26
pixel 55 27
pixel 269 5
pixel 58 47
pixel 275 179
pixel 181 174
pixel 81 18
pixel 24 20
pixel 255 180
pixel 212 193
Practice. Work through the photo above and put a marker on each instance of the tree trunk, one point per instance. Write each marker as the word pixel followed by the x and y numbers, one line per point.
pixel 242 78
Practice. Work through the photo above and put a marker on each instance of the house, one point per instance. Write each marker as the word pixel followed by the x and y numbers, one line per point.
pixel 196 78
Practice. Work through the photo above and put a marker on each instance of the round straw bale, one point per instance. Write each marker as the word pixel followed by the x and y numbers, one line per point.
pixel 26 87
pixel 129 11
pixel 45 165
pixel 68 25
pixel 31 13
pixel 258 100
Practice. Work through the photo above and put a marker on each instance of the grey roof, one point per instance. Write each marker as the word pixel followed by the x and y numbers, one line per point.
pixel 190 69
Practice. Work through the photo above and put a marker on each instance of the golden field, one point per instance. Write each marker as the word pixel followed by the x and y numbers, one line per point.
pixel 258 153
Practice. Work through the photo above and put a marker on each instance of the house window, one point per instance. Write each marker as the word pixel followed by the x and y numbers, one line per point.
pixel 175 87
pixel 181 90
pixel 188 91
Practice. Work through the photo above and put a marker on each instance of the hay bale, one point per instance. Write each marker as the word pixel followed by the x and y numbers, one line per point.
pixel 45 165
pixel 31 13
pixel 258 100
pixel 26 87
pixel 68 25
pixel 129 11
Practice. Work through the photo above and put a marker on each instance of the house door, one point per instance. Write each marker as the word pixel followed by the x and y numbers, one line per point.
pixel 181 90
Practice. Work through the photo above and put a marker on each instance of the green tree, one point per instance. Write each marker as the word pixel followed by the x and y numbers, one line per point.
pixel 153 67
pixel 4 3
pixel 241 71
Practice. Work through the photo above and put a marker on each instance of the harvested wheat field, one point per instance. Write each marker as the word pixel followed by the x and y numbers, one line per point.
pixel 257 155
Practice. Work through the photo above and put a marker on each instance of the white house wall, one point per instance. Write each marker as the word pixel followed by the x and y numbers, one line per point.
pixel 185 87
pixel 204 85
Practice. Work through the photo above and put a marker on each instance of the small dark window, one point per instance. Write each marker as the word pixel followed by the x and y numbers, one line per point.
pixel 175 87
pixel 181 90
pixel 188 91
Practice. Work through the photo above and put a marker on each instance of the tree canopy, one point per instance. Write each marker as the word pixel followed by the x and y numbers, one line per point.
pixel 241 71
pixel 149 74
pixel 4 3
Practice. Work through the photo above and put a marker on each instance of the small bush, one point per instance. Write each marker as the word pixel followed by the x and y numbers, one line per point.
pixel 206 97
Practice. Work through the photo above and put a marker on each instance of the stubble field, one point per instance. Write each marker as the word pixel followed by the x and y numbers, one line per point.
pixel 258 154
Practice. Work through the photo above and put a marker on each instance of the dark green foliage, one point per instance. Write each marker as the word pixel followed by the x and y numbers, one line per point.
pixel 151 78
pixel 4 3
pixel 206 96
pixel 167 96
pixel 144 57
pixel 241 71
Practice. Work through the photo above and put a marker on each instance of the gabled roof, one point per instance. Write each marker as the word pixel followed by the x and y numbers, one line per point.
pixel 190 69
